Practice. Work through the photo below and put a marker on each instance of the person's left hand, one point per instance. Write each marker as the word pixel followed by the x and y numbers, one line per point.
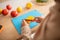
pixel 24 23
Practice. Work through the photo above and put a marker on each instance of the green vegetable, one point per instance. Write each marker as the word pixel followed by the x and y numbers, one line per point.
pixel 41 0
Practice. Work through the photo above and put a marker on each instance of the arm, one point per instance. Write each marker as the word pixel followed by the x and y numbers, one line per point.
pixel 38 21
pixel 40 27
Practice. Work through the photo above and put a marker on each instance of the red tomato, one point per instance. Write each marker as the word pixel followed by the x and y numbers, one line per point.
pixel 9 7
pixel 4 11
pixel 14 13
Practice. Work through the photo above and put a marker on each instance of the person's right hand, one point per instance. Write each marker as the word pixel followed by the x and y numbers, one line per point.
pixel 38 19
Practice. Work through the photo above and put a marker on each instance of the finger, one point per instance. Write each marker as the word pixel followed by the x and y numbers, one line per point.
pixel 24 23
pixel 38 19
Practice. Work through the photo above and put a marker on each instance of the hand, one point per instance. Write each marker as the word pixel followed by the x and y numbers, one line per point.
pixel 38 19
pixel 24 23
pixel 20 37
